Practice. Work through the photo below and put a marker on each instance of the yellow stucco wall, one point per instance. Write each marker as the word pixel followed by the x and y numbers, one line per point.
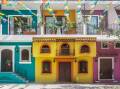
pixel 55 47
pixel 92 46
pixel 38 45
pixel 45 77
pixel 84 77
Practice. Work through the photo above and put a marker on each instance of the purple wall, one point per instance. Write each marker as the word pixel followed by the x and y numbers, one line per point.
pixel 110 52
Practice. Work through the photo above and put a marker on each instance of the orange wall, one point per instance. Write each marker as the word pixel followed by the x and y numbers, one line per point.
pixel 61 13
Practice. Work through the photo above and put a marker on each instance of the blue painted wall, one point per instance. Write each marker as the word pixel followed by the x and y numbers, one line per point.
pixel 20 12
pixel 26 70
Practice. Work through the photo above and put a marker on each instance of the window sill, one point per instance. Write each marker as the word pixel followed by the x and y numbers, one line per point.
pixel 25 62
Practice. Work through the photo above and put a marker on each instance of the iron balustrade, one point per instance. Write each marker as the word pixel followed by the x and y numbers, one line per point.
pixel 65 52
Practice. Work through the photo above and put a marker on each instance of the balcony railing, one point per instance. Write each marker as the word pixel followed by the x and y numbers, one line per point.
pixel 64 52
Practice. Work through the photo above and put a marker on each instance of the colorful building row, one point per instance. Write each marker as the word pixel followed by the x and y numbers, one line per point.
pixel 60 59
pixel 34 48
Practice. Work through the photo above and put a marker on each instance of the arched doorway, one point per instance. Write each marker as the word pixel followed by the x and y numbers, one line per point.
pixel 6 60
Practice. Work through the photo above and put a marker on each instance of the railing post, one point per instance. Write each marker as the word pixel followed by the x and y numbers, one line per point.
pixel 42 30
pixel 84 29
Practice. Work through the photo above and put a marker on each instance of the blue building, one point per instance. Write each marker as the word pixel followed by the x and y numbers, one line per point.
pixel 16 61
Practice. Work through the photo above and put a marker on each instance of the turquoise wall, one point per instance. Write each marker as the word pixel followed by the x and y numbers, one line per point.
pixel 26 70
pixel 13 12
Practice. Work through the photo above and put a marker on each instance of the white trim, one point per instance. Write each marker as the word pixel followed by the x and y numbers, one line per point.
pixel 98 16
pixel 102 45
pixel 14 15
pixel 25 62
pixel 13 55
pixel 112 58
pixel 27 48
pixel 28 38
pixel 0 28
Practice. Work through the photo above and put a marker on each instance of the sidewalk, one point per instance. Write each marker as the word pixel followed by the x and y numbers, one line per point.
pixel 58 86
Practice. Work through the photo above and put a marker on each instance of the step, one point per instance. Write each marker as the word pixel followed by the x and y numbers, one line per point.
pixel 11 78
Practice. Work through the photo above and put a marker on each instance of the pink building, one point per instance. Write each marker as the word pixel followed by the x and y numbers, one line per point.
pixel 107 62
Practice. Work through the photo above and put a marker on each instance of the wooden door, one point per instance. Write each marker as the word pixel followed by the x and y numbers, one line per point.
pixel 106 69
pixel 6 60
pixel 64 71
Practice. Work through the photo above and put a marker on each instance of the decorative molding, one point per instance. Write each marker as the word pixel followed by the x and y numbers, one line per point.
pixel 65 39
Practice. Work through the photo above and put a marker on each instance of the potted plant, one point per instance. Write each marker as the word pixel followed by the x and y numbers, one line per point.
pixel 51 27
pixel 29 30
pixel 71 26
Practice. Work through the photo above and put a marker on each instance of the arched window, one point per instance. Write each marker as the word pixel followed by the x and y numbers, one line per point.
pixel 85 49
pixel 25 55
pixel 45 49
pixel 65 49
pixel 83 67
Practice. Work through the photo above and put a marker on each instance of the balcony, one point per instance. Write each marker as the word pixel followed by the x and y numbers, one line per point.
pixel 21 25
pixel 65 52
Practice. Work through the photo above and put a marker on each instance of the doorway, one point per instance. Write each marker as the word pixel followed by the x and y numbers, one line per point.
pixel 6 60
pixel 106 68
pixel 64 71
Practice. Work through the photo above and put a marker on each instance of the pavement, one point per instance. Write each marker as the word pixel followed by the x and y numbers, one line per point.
pixel 58 86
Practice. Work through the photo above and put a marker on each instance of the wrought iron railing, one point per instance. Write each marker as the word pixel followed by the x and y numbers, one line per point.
pixel 65 52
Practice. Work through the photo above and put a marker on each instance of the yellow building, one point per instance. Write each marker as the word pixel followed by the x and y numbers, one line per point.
pixel 64 59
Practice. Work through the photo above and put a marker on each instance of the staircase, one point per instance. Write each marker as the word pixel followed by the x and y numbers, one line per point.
pixel 11 78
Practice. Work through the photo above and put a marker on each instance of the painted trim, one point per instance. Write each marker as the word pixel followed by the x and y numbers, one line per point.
pixel 0 29
pixel 12 48
pixel 27 48
pixel 102 45
pixel 9 21
pixel 98 16
pixel 99 67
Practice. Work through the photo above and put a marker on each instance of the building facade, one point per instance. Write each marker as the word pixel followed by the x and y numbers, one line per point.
pixel 59 41
pixel 64 59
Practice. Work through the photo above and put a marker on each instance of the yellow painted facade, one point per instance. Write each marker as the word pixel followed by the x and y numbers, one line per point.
pixel 54 57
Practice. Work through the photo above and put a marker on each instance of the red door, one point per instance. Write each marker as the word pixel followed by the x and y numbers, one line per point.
pixel 64 71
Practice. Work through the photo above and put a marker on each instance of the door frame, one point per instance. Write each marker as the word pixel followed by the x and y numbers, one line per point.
pixel 70 69
pixel 99 58
pixel 12 48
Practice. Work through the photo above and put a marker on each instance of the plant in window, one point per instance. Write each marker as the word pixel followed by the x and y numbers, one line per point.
pixel 117 44
pixel 71 26
pixel 104 44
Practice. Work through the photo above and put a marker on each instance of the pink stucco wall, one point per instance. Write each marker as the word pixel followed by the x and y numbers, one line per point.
pixel 110 52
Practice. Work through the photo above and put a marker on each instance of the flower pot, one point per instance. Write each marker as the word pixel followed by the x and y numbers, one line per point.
pixel 29 33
